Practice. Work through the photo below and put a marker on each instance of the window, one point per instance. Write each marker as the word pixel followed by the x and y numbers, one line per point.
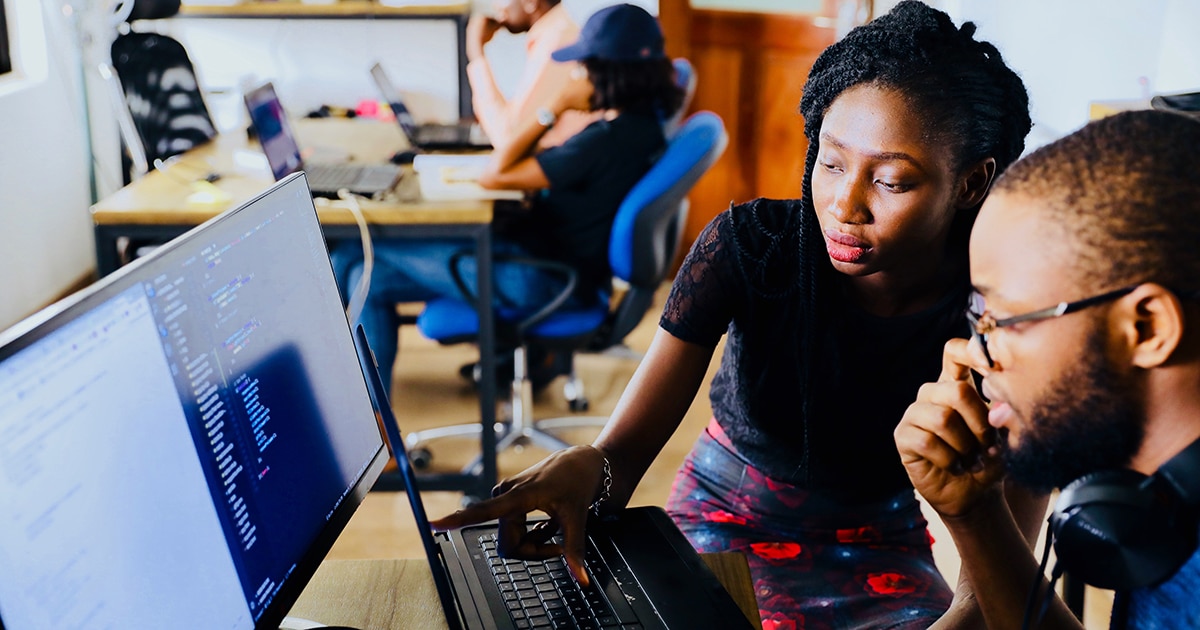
pixel 5 55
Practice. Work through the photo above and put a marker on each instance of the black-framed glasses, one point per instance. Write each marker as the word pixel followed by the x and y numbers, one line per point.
pixel 983 324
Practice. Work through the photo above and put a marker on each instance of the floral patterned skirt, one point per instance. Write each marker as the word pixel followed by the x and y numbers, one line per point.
pixel 816 563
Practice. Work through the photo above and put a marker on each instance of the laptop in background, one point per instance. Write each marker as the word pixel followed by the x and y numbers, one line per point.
pixel 644 574
pixel 429 136
pixel 283 153
pixel 181 443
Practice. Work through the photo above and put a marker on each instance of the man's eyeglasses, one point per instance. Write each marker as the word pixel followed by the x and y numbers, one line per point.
pixel 983 324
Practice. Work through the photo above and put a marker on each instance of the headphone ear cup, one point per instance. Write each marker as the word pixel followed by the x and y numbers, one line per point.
pixel 1115 530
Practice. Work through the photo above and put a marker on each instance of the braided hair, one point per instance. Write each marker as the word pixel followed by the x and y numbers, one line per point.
pixel 967 98
pixel 960 86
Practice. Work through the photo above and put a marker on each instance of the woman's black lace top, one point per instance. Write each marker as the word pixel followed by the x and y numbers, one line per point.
pixel 741 278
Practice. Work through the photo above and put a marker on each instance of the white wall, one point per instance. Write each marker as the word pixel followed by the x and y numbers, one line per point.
pixel 324 62
pixel 45 230
pixel 1070 53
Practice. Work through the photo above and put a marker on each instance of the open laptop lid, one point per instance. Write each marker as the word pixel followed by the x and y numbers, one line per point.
pixel 273 131
pixel 383 407
pixel 390 94
pixel 181 443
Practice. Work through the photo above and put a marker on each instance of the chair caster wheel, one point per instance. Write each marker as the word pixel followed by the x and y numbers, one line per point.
pixel 578 404
pixel 420 457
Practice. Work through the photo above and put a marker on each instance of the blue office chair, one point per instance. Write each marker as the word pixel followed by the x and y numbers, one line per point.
pixel 645 238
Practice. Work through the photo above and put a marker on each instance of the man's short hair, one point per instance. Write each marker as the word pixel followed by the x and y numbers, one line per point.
pixel 1125 192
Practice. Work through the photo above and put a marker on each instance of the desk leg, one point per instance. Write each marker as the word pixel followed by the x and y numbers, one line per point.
pixel 487 362
pixel 107 257
pixel 465 110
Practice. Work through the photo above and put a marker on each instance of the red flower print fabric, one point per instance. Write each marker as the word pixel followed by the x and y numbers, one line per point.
pixel 815 563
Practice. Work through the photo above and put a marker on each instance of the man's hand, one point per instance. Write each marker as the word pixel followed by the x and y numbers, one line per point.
pixel 480 30
pixel 563 486
pixel 945 442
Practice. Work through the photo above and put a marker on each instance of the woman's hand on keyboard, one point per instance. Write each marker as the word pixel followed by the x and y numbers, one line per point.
pixel 564 486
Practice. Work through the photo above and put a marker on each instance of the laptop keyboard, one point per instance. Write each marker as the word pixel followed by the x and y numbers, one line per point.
pixel 442 134
pixel 351 176
pixel 543 594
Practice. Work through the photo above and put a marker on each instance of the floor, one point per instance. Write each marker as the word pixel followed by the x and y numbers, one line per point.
pixel 429 392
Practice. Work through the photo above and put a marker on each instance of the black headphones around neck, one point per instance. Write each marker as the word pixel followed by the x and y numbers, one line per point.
pixel 1120 530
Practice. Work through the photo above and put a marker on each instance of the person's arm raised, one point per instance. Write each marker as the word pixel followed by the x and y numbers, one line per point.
pixel 513 166
pixel 947 447
pixel 487 100
pixel 565 484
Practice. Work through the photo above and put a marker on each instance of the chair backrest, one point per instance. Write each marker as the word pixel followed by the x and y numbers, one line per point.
pixel 161 93
pixel 647 228
pixel 685 77
pixel 150 9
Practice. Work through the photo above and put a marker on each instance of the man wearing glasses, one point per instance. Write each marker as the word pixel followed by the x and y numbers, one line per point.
pixel 1086 263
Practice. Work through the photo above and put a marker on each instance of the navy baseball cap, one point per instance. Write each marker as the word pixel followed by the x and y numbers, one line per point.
pixel 622 32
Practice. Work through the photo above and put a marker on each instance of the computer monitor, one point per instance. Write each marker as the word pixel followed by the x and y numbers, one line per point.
pixel 181 443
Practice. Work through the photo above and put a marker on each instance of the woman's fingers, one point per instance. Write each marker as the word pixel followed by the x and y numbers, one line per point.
pixel 574 545
pixel 501 506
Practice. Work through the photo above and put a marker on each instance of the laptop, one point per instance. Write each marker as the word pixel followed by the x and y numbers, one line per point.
pixel 181 443
pixel 283 153
pixel 429 136
pixel 643 572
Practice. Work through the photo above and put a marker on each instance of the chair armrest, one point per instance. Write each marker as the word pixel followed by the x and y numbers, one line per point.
pixel 567 272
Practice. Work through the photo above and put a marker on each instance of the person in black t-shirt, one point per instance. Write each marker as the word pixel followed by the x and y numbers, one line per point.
pixel 625 77
pixel 834 308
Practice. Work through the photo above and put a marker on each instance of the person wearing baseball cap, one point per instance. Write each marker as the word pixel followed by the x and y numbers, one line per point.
pixel 622 32
pixel 623 77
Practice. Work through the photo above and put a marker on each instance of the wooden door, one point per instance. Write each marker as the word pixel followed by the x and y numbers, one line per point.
pixel 750 70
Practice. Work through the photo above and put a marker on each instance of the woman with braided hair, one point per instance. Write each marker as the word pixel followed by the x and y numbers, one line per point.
pixel 836 307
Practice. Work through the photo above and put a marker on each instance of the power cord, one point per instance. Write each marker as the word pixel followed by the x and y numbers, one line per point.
pixel 358 299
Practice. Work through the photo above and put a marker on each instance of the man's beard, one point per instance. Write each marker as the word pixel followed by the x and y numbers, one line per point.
pixel 1087 421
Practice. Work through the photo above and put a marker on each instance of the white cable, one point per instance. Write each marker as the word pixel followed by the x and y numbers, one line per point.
pixel 358 299
pixel 122 9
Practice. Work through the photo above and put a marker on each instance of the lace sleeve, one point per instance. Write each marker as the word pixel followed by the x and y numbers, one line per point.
pixel 701 303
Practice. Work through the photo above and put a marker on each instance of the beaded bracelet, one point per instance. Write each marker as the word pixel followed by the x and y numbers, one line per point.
pixel 606 486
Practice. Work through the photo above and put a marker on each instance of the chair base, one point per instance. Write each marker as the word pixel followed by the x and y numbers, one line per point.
pixel 520 430
pixel 508 435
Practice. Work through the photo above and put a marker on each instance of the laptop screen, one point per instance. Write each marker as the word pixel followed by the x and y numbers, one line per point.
pixel 271 125
pixel 390 94
pixel 181 443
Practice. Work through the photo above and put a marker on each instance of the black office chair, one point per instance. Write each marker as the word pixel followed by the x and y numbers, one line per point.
pixel 645 238
pixel 163 111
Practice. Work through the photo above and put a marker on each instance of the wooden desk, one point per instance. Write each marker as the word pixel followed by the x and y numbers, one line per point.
pixel 400 594
pixel 168 202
